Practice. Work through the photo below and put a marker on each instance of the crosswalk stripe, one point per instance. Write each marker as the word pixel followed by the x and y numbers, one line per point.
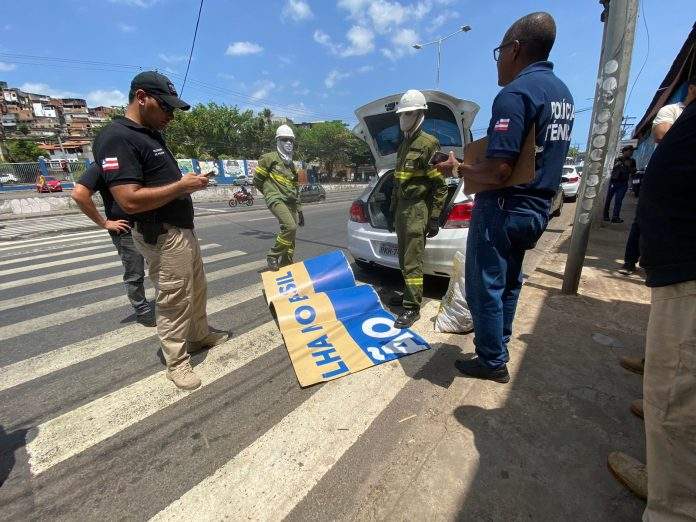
pixel 18 302
pixel 50 248
pixel 6 245
pixel 59 262
pixel 46 363
pixel 267 479
pixel 14 261
pixel 55 319
pixel 75 431
pixel 75 271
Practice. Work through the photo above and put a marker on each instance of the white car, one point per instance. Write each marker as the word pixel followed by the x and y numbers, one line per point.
pixel 8 178
pixel 369 242
pixel 570 182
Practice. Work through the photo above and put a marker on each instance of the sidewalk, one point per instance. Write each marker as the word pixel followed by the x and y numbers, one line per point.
pixel 536 448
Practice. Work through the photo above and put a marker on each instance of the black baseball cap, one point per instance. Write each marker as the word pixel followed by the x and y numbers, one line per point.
pixel 159 86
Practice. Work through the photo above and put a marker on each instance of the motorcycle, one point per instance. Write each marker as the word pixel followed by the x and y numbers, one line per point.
pixel 241 198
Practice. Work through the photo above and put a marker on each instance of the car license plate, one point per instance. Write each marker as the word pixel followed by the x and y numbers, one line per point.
pixel 388 249
pixel 636 181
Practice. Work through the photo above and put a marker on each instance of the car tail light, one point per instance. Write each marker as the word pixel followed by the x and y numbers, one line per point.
pixel 460 215
pixel 570 179
pixel 357 212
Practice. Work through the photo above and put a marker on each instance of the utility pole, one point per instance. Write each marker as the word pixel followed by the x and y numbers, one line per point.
pixel 619 19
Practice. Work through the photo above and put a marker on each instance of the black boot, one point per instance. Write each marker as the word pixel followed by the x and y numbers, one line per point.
pixel 475 368
pixel 397 299
pixel 273 264
pixel 406 319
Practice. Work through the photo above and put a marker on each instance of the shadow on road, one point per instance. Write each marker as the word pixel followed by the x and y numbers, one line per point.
pixel 9 444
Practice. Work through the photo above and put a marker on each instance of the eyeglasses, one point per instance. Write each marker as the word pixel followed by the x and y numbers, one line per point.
pixel 163 105
pixel 496 51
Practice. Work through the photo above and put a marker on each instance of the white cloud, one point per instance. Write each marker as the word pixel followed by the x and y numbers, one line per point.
pixel 46 90
pixel 402 43
pixel 110 98
pixel 7 67
pixel 125 28
pixel 172 58
pixel 361 41
pixel 324 39
pixel 136 3
pixel 295 84
pixel 385 15
pixel 298 10
pixel 354 6
pixel 262 89
pixel 334 77
pixel 243 48
pixel 287 60
pixel 365 69
pixel 301 92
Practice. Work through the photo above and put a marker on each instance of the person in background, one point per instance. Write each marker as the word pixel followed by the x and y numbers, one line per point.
pixel 668 114
pixel 277 179
pixel 119 225
pixel 506 222
pixel 144 178
pixel 624 168
pixel 667 220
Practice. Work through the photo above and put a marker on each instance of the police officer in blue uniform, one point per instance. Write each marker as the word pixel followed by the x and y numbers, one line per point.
pixel 508 221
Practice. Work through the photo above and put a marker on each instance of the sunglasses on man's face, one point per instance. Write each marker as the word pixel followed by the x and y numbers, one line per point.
pixel 163 105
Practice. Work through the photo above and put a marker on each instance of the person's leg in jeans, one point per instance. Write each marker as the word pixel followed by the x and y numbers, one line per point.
pixel 607 202
pixel 619 193
pixel 134 272
pixel 513 285
pixel 485 283
pixel 632 253
pixel 669 387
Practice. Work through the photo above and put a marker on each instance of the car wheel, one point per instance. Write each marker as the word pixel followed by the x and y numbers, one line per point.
pixel 571 199
pixel 557 212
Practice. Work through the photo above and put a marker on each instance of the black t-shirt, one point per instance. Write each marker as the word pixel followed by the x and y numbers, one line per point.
pixel 92 179
pixel 666 208
pixel 127 153
pixel 623 169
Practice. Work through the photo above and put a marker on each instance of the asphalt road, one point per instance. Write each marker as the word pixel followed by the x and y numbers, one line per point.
pixel 91 429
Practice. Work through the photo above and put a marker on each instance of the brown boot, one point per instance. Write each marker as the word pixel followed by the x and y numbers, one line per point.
pixel 633 364
pixel 637 408
pixel 210 340
pixel 630 472
pixel 183 376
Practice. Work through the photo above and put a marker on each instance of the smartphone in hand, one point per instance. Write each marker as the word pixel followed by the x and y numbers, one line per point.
pixel 210 174
pixel 438 157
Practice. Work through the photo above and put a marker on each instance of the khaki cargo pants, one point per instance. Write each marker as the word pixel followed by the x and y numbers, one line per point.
pixel 669 389
pixel 410 222
pixel 176 271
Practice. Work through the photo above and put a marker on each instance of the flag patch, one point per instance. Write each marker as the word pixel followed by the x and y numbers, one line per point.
pixel 109 164
pixel 502 125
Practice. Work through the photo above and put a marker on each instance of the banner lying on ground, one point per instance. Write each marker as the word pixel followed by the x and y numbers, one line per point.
pixel 331 326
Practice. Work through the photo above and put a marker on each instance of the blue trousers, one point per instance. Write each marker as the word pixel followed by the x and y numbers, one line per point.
pixel 498 238
pixel 617 191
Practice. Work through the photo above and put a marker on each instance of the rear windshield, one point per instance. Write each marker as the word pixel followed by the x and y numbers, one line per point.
pixel 439 121
pixel 568 170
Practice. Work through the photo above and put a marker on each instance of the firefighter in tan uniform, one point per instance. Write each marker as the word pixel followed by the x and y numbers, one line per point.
pixel 276 178
pixel 417 199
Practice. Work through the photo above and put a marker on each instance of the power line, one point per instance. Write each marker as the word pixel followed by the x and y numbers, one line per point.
pixel 647 54
pixel 193 43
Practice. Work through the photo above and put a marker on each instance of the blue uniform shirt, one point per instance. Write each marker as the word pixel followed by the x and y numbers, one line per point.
pixel 535 96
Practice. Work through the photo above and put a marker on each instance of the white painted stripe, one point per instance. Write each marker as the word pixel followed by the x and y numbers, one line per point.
pixel 50 248
pixel 59 262
pixel 267 479
pixel 17 302
pixel 65 316
pixel 35 257
pixel 77 430
pixel 76 271
pixel 49 362
pixel 46 241
pixel 211 209
pixel 260 219
pixel 53 239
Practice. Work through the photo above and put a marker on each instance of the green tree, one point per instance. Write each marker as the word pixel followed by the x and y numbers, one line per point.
pixel 23 129
pixel 332 145
pixel 23 150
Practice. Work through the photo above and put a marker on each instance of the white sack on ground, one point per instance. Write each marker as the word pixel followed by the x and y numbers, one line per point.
pixel 454 315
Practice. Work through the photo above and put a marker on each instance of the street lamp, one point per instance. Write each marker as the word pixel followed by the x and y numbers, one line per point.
pixel 462 29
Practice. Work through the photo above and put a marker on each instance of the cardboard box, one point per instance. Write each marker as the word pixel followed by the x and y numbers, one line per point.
pixel 524 169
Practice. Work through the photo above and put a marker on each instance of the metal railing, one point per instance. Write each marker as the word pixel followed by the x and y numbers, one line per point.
pixel 28 173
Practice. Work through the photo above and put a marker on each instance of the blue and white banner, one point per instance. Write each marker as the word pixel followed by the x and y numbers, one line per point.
pixel 331 325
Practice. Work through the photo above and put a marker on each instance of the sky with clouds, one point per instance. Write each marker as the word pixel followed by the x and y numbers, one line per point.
pixel 314 59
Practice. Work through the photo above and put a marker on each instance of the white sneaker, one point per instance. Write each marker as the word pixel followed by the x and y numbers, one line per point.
pixel 184 377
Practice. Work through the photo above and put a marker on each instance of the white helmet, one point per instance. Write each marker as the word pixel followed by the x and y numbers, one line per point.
pixel 284 131
pixel 412 100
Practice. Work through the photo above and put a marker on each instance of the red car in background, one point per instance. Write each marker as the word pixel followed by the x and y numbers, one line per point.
pixel 48 184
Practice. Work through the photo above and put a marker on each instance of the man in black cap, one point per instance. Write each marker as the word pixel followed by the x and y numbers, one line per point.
pixel 146 182
pixel 624 168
